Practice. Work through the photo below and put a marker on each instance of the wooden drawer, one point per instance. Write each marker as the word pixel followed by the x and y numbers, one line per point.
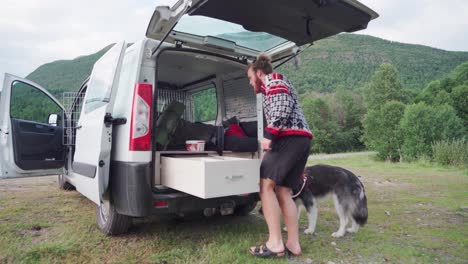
pixel 211 176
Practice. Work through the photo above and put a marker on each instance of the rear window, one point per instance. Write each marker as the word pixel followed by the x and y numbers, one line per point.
pixel 207 26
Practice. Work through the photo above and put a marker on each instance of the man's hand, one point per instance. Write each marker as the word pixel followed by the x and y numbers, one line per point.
pixel 266 144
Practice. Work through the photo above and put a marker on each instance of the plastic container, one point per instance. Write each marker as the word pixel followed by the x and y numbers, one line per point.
pixel 195 145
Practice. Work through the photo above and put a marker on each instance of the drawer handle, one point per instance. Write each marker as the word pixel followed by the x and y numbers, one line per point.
pixel 234 177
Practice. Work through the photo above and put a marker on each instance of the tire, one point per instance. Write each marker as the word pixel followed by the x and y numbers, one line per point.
pixel 63 184
pixel 245 209
pixel 109 221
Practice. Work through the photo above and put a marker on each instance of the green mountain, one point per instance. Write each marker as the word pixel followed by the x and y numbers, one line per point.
pixel 350 60
pixel 65 75
pixel 345 60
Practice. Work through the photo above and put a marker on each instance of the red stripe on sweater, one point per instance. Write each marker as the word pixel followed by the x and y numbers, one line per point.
pixel 278 88
pixel 277 91
pixel 295 133
pixel 277 76
pixel 289 132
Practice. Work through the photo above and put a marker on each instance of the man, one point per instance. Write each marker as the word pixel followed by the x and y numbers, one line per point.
pixel 286 144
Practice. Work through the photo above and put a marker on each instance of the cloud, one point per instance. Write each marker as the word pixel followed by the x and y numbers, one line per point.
pixel 37 32
pixel 440 24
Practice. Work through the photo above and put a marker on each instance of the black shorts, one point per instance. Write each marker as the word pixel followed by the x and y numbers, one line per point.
pixel 285 162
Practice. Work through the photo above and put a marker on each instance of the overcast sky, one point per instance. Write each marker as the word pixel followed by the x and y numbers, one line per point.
pixel 34 32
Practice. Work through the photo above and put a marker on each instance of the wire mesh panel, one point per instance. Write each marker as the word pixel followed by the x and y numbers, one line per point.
pixel 239 98
pixel 165 97
pixel 73 103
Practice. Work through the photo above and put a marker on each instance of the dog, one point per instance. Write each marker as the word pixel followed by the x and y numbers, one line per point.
pixel 348 195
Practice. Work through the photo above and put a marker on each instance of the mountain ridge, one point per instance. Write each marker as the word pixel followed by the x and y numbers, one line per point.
pixel 345 60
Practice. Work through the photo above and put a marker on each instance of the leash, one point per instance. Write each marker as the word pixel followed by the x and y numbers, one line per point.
pixel 304 178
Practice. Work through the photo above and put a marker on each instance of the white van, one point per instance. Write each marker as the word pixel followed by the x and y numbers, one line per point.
pixel 121 142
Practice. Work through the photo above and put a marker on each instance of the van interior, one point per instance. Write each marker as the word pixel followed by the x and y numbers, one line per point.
pixel 200 96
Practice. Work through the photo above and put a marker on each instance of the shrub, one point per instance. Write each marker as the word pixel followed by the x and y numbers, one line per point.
pixel 423 124
pixel 460 102
pixel 451 152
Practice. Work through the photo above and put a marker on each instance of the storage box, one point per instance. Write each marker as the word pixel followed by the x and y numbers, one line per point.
pixel 211 176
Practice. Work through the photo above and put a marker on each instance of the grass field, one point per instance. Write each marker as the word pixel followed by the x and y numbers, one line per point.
pixel 416 215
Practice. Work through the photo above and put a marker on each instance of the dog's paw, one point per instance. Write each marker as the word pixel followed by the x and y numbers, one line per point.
pixel 338 234
pixel 351 230
pixel 309 231
pixel 285 228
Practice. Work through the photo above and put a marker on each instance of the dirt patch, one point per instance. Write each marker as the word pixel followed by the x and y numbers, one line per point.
pixel 388 183
pixel 457 219
pixel 37 233
pixel 22 185
pixel 14 189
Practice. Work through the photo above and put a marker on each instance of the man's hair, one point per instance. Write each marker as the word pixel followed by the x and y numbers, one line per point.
pixel 263 63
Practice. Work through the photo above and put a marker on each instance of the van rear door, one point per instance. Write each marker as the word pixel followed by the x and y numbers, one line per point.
pixel 245 27
pixel 91 161
pixel 31 130
pixel 300 21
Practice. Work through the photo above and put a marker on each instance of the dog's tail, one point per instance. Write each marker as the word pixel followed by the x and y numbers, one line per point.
pixel 360 212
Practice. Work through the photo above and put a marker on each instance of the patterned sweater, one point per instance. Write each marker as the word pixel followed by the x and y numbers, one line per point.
pixel 283 114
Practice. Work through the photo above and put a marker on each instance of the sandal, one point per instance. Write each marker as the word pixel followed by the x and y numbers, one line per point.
pixel 290 253
pixel 264 252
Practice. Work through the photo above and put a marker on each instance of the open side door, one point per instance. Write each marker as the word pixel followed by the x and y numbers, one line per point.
pixel 91 160
pixel 31 130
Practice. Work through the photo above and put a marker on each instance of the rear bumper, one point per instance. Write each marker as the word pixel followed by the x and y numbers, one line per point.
pixel 184 203
pixel 130 186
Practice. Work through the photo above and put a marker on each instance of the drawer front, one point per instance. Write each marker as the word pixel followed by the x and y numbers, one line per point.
pixel 182 175
pixel 211 178
pixel 231 177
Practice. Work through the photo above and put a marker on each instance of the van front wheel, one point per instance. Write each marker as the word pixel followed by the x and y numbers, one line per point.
pixel 109 221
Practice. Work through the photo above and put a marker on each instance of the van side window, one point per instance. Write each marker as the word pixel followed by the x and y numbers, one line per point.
pixel 29 103
pixel 204 104
pixel 99 89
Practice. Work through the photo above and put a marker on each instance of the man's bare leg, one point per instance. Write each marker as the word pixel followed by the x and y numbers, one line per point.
pixel 271 212
pixel 289 210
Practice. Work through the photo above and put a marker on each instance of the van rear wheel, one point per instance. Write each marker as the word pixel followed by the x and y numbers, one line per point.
pixel 109 221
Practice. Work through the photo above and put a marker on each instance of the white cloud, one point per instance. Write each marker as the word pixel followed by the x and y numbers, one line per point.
pixel 35 32
pixel 440 24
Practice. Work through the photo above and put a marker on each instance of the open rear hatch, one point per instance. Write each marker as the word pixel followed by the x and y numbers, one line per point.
pixel 246 27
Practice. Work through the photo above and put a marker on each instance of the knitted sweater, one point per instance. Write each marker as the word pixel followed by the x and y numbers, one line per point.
pixel 283 114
